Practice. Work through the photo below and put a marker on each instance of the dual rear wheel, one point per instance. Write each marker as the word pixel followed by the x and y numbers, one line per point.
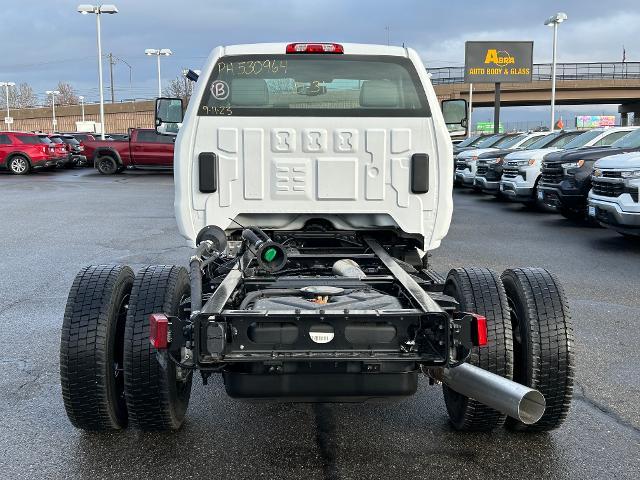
pixel 530 341
pixel 111 376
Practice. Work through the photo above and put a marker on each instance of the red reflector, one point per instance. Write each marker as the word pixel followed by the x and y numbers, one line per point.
pixel 481 329
pixel 315 48
pixel 159 330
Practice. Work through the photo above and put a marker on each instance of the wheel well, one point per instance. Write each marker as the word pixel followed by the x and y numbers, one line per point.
pixel 13 155
pixel 107 153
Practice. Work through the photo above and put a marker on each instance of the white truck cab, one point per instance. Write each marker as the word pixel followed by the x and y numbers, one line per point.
pixel 467 161
pixel 353 135
pixel 614 195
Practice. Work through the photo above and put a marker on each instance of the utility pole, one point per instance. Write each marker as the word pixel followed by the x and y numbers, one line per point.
pixel 111 63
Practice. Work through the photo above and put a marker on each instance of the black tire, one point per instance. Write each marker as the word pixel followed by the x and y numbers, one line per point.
pixel 107 165
pixel 479 290
pixel 91 348
pixel 156 399
pixel 543 342
pixel 19 165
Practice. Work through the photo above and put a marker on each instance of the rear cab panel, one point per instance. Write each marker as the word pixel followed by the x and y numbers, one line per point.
pixel 281 164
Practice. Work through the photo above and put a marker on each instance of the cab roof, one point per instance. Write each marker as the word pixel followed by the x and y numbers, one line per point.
pixel 280 49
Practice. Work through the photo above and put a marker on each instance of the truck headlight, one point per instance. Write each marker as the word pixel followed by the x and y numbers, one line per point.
pixel 630 174
pixel 577 164
pixel 524 163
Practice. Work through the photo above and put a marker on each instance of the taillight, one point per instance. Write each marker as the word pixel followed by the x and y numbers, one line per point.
pixel 315 48
pixel 159 330
pixel 479 330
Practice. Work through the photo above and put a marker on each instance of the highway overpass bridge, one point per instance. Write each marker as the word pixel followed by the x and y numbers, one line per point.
pixel 576 84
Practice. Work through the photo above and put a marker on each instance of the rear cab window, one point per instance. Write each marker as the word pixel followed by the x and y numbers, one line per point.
pixel 314 85
pixel 150 136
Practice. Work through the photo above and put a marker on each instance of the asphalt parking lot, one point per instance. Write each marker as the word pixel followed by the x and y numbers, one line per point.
pixel 55 223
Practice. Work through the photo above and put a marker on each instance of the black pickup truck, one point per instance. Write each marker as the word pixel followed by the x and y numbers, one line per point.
pixel 566 175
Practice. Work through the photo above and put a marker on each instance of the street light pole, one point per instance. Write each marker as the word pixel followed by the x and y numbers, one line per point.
pixel 6 85
pixel 82 106
pixel 53 94
pixel 554 21
pixel 158 53
pixel 159 78
pixel 100 73
pixel 99 10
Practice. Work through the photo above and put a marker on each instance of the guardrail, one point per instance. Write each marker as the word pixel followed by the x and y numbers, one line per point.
pixel 564 71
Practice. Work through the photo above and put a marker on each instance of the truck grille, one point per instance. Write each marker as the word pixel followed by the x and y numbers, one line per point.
pixel 608 189
pixel 482 170
pixel 611 174
pixel 510 172
pixel 552 174
pixel 461 166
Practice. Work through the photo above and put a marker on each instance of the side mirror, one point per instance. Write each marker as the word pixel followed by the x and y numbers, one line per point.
pixel 455 117
pixel 169 116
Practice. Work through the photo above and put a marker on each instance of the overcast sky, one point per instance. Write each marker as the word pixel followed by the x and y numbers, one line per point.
pixel 46 41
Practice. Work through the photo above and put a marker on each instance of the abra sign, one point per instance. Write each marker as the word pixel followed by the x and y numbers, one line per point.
pixel 496 62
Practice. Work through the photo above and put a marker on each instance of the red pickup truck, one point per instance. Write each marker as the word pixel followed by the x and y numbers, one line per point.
pixel 144 149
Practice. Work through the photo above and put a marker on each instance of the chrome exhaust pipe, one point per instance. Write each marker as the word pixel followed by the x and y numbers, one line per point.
pixel 506 396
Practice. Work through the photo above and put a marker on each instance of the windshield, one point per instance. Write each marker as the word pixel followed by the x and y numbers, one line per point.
pixel 582 140
pixel 56 139
pixel 314 85
pixel 631 140
pixel 489 141
pixel 45 139
pixel 470 141
pixel 508 141
pixel 529 142
pixel 563 140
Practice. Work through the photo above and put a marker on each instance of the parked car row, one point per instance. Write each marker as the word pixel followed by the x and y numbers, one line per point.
pixel 25 152
pixel 589 175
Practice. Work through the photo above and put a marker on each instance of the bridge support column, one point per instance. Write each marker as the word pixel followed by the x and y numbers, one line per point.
pixel 625 109
pixel 624 119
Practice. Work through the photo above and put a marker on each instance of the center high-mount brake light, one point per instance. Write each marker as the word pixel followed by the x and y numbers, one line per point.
pixel 159 330
pixel 315 48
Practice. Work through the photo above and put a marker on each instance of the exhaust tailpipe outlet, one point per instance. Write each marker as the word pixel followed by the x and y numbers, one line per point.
pixel 506 396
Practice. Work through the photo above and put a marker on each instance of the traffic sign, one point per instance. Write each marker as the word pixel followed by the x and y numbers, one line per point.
pixel 8 120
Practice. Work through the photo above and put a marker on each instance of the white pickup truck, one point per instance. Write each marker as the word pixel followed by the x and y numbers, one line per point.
pixel 521 173
pixel 309 177
pixel 615 192
pixel 467 161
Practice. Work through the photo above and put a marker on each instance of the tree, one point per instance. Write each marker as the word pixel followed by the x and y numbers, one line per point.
pixel 179 87
pixel 67 95
pixel 20 96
